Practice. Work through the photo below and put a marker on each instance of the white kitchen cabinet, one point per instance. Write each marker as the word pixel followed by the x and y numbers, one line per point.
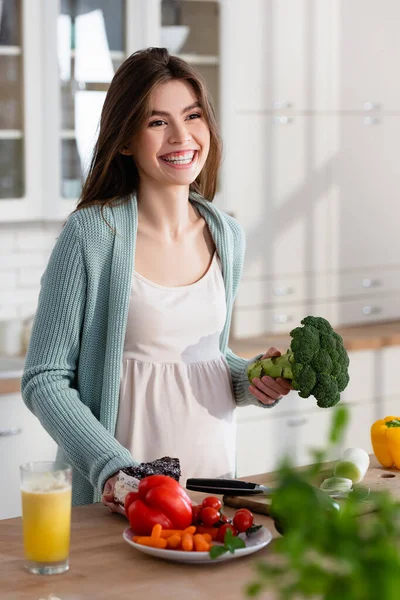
pixel 281 49
pixel 262 443
pixel 365 211
pixel 58 65
pixel 22 439
pixel 365 55
pixel 21 97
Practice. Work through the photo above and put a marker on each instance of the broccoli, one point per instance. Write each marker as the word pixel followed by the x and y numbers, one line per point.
pixel 317 362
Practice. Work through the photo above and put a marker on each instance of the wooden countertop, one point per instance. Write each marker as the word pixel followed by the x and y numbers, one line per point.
pixel 360 337
pixel 104 567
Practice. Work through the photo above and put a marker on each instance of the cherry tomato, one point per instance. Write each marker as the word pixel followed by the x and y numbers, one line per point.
pixel 245 510
pixel 223 529
pixel 129 498
pixel 243 520
pixel 196 509
pixel 209 516
pixel 224 518
pixel 212 501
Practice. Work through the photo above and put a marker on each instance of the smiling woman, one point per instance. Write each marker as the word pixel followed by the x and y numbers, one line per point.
pixel 128 359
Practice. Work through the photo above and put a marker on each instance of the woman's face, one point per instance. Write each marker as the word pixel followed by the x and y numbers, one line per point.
pixel 172 145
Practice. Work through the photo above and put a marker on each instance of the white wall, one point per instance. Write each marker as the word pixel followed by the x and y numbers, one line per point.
pixel 24 251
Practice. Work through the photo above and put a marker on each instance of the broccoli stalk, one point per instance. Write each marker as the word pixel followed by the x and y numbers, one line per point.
pixel 317 362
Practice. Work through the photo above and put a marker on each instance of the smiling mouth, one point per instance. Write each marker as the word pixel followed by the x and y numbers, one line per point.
pixel 180 158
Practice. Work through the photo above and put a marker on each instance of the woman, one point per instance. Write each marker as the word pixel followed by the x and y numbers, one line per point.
pixel 128 358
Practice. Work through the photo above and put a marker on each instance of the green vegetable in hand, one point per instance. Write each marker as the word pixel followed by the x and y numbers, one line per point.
pixel 317 362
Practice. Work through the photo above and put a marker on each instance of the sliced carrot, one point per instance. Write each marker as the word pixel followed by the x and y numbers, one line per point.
pixel 187 542
pixel 200 544
pixel 150 541
pixel 213 531
pixel 174 541
pixel 206 536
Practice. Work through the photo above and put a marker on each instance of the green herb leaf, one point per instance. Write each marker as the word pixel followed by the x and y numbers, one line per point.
pixel 216 551
pixel 232 542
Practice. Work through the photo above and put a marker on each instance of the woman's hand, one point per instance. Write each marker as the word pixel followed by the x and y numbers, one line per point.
pixel 107 497
pixel 268 390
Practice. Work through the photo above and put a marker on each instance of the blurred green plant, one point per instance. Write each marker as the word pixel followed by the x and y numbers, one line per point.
pixel 328 553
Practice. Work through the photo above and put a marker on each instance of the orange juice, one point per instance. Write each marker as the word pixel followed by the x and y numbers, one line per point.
pixel 46 519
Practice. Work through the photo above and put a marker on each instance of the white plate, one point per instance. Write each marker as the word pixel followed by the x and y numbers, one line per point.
pixel 254 542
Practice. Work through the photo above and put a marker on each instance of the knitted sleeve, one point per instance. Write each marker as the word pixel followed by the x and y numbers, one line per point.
pixel 49 382
pixel 237 365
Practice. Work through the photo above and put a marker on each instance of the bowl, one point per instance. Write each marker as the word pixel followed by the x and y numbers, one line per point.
pixel 173 37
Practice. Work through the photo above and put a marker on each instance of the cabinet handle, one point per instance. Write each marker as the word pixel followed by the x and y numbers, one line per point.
pixel 282 318
pixel 297 422
pixel 10 432
pixel 372 120
pixel 279 104
pixel 369 283
pixel 283 291
pixel 371 310
pixel 283 120
pixel 372 105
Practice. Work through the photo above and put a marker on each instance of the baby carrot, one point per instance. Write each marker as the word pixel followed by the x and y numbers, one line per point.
pixel 206 536
pixel 200 544
pixel 174 541
pixel 166 533
pixel 156 531
pixel 150 541
pixel 187 542
pixel 213 531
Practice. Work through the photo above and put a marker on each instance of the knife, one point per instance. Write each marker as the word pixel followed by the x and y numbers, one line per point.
pixel 229 487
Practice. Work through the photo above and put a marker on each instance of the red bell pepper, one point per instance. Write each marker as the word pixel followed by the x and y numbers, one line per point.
pixel 160 499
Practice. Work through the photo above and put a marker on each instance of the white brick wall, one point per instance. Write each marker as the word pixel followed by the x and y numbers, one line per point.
pixel 24 251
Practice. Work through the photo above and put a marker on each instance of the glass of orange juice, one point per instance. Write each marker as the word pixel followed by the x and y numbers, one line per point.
pixel 46 489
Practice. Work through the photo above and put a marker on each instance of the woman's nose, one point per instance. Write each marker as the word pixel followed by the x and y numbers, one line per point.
pixel 179 134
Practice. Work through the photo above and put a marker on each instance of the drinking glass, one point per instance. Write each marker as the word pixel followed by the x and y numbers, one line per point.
pixel 46 489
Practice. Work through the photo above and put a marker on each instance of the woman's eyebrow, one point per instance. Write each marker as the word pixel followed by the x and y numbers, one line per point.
pixel 163 113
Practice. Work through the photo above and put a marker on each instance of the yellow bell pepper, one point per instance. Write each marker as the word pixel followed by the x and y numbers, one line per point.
pixel 385 438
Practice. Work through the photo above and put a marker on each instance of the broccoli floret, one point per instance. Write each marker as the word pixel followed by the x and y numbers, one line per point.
pixel 316 362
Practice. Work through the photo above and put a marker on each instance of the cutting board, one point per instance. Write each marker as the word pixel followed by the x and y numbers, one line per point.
pixel 377 478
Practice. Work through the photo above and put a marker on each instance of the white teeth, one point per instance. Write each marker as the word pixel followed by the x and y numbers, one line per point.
pixel 181 159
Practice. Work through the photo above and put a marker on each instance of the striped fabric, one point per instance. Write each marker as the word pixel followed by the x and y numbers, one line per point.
pixel 72 372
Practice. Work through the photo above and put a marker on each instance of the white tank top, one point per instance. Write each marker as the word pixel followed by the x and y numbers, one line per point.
pixel 176 395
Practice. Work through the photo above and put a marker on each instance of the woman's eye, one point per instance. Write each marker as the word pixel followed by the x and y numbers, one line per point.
pixel 156 123
pixel 194 116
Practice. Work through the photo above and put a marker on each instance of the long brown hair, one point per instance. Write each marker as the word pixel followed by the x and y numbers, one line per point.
pixel 113 176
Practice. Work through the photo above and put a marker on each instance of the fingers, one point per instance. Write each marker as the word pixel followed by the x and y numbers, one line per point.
pixel 271 352
pixel 112 506
pixel 268 390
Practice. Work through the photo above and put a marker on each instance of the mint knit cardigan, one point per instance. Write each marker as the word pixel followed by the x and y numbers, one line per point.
pixel 72 372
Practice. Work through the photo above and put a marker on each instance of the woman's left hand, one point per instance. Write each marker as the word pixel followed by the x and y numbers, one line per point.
pixel 268 390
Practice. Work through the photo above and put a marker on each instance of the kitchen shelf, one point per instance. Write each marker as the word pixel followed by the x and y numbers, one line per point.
pixel 10 50
pixel 68 134
pixel 11 134
pixel 114 54
pixel 200 59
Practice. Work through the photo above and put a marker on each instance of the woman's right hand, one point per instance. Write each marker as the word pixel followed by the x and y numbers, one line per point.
pixel 107 497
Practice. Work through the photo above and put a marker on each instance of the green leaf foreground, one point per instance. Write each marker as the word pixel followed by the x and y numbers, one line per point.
pixel 328 554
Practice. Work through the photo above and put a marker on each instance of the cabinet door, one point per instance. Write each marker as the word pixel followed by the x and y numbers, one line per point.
pixel 20 111
pixel 365 210
pixel 279 192
pixel 22 439
pixel 262 443
pixel 366 54
pixel 280 50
